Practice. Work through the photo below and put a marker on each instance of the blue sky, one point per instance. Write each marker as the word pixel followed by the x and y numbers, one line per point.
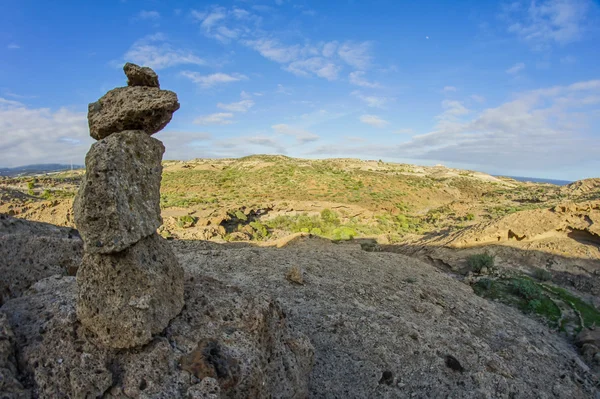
pixel 502 87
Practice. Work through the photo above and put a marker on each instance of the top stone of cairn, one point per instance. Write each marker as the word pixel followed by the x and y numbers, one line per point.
pixel 140 76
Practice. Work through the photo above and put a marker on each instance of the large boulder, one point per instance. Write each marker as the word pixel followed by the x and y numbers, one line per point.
pixel 127 297
pixel 30 251
pixel 118 202
pixel 225 342
pixel 10 387
pixel 140 76
pixel 131 108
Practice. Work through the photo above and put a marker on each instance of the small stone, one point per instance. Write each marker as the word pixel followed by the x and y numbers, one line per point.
pixel 294 275
pixel 126 297
pixel 131 108
pixel 140 76
pixel 118 202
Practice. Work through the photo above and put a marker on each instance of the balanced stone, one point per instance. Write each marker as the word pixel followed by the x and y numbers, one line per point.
pixel 131 108
pixel 126 297
pixel 140 76
pixel 118 202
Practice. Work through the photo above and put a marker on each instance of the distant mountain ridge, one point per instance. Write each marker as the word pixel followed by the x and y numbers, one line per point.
pixel 36 169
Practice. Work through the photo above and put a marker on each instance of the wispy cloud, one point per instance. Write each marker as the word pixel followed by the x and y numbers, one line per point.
pixel 323 59
pixel 13 46
pixel 518 67
pixel 240 106
pixel 302 136
pixel 371 101
pixel 154 51
pixel 356 54
pixel 478 98
pixel 374 121
pixel 357 78
pixel 206 81
pixel 220 118
pixel 449 89
pixel 148 15
pixel 546 22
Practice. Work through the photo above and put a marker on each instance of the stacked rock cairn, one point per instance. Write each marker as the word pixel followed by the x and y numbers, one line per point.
pixel 130 284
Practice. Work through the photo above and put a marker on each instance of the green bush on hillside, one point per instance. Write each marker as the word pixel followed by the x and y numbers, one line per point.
pixel 479 261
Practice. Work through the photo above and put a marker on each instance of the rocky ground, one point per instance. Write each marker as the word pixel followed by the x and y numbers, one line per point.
pixel 381 324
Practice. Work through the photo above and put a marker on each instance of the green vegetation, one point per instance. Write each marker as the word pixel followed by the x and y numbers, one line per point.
pixel 540 299
pixel 521 293
pixel 477 262
pixel 542 275
pixel 186 221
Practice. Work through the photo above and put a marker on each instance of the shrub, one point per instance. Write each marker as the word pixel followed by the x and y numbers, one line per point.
pixel 330 217
pixel 542 275
pixel 485 283
pixel 186 221
pixel 31 185
pixel 526 289
pixel 470 216
pixel 479 261
pixel 240 215
pixel 260 229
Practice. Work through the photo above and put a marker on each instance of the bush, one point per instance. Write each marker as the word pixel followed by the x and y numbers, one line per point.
pixel 240 215
pixel 526 289
pixel 470 216
pixel 485 283
pixel 260 229
pixel 479 261
pixel 186 221
pixel 330 217
pixel 542 275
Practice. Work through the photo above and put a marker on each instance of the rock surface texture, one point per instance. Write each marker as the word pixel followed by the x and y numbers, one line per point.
pixel 224 344
pixel 118 202
pixel 131 295
pixel 132 108
pixel 130 284
pixel 30 251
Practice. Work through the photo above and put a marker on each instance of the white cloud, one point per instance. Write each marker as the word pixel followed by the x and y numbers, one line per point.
pixel 543 23
pixel 449 89
pixel 374 121
pixel 302 136
pixel 40 135
pixel 240 106
pixel 371 101
pixel 356 54
pixel 357 78
pixel 518 67
pixel 153 51
pixel 220 118
pixel 323 59
pixel 152 15
pixel 404 131
pixel 206 81
pixel 317 66
pixel 13 46
pixel 540 130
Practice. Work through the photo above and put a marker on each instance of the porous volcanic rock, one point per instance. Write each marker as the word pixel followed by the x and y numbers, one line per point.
pixel 131 108
pixel 252 351
pixel 30 251
pixel 118 202
pixel 126 297
pixel 10 387
pixel 140 76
